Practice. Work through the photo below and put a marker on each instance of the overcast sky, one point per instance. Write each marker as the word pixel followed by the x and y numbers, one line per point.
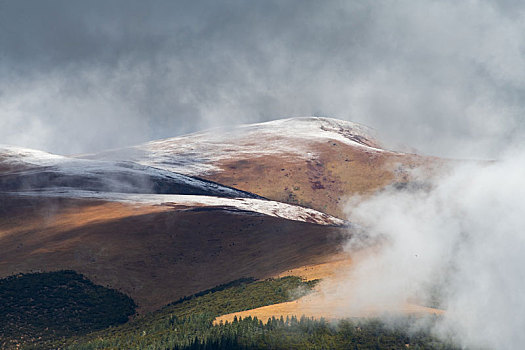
pixel 447 77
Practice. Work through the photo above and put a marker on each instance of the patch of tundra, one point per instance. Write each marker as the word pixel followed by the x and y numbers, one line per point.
pixel 259 206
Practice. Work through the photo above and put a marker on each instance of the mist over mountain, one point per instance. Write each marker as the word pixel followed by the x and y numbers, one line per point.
pixel 338 160
pixel 443 77
pixel 457 245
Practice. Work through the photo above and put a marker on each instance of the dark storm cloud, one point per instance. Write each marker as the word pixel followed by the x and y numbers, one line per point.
pixel 444 77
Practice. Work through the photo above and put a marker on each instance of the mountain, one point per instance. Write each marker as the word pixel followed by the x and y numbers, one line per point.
pixel 169 218
pixel 313 162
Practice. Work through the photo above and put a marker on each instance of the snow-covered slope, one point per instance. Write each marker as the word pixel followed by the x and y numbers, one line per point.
pixel 37 170
pixel 26 157
pixel 199 153
pixel 315 162
pixel 253 205
pixel 39 173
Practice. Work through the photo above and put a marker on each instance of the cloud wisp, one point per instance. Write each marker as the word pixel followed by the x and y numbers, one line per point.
pixel 457 245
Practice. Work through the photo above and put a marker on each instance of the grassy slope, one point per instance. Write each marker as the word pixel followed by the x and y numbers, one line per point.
pixel 188 325
pixel 155 254
pixel 182 321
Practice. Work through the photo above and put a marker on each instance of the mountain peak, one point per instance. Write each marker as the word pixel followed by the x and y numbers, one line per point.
pixel 321 127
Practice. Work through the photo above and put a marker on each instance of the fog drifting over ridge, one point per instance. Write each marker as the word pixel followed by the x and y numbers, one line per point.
pixel 461 241
pixel 444 77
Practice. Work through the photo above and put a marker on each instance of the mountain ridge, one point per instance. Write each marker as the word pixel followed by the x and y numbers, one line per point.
pixel 278 205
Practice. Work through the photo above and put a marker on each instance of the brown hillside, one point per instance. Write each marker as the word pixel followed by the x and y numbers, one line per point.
pixel 314 162
pixel 324 183
pixel 155 254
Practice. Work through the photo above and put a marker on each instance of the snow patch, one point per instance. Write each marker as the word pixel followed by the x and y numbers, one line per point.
pixel 13 155
pixel 259 206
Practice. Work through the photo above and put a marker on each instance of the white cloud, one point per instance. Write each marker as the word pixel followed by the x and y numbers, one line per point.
pixel 466 236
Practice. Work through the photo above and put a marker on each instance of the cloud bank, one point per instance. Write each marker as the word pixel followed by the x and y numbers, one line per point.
pixel 444 77
pixel 458 246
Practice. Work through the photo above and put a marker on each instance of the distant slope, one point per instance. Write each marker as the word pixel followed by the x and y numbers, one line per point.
pixel 31 170
pixel 313 162
pixel 204 152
